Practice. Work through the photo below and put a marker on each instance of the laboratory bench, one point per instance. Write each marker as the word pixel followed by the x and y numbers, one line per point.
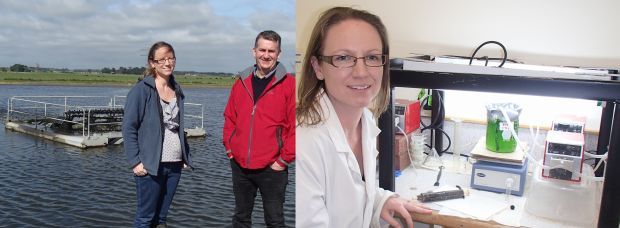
pixel 481 208
pixel 445 76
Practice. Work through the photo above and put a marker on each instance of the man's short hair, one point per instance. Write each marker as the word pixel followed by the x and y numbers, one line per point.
pixel 269 35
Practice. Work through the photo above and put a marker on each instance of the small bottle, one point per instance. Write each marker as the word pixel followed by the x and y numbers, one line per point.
pixel 417 145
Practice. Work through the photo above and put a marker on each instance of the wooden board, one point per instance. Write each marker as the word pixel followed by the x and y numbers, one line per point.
pixel 480 152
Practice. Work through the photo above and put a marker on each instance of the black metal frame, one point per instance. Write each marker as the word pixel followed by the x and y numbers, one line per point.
pixel 609 91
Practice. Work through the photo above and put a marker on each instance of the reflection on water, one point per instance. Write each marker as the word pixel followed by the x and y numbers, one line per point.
pixel 48 184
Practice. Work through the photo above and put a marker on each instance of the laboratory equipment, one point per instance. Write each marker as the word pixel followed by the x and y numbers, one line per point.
pixel 568 202
pixel 569 123
pixel 498 136
pixel 493 176
pixel 407 113
pixel 443 195
pixel 438 176
pixel 456 145
pixel 563 156
pixel 417 148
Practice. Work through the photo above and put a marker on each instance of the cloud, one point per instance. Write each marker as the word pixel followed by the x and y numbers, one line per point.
pixel 77 34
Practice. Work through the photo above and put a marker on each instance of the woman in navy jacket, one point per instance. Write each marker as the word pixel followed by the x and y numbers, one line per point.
pixel 154 140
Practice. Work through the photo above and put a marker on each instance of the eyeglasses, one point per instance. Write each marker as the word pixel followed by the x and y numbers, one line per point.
pixel 162 61
pixel 347 61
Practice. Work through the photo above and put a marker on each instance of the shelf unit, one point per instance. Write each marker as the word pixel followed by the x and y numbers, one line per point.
pixel 443 76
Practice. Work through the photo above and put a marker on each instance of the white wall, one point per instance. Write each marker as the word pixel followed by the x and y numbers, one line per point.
pixel 551 32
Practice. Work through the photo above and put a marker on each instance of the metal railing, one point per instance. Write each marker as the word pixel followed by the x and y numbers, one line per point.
pixel 46 110
pixel 191 112
pixel 190 117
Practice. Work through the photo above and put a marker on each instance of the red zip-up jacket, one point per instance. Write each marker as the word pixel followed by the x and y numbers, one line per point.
pixel 263 133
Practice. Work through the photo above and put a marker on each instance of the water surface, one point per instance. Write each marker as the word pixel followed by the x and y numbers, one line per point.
pixel 48 184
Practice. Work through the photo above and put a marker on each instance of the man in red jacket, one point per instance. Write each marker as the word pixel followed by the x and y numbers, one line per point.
pixel 259 133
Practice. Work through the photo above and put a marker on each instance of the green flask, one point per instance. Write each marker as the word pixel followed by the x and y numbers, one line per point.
pixel 498 136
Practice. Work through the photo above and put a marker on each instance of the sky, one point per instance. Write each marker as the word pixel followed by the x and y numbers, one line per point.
pixel 207 35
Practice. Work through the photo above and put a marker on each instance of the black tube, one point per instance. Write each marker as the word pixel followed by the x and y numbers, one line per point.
pixel 437 116
pixel 486 57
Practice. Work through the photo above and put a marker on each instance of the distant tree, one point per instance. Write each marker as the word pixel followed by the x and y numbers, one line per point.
pixel 19 68
pixel 124 70
pixel 3 69
pixel 139 70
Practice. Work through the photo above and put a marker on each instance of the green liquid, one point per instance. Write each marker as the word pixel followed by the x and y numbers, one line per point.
pixel 495 141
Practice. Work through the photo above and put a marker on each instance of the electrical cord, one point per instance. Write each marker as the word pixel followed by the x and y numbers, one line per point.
pixel 440 112
pixel 434 125
pixel 489 58
pixel 423 102
pixel 406 141
pixel 447 136
pixel 486 58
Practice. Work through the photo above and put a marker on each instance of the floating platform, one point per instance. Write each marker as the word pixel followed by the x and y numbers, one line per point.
pixel 81 121
pixel 94 140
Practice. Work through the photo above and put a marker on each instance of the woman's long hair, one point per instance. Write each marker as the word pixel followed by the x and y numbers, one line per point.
pixel 308 109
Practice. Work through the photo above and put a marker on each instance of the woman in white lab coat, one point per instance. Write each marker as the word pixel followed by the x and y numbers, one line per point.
pixel 345 71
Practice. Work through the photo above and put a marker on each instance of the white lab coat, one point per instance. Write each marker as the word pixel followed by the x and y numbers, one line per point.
pixel 329 190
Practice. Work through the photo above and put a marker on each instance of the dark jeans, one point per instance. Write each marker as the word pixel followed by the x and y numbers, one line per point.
pixel 272 185
pixel 155 194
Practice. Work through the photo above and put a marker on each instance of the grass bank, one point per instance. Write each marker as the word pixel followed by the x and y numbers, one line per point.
pixel 52 78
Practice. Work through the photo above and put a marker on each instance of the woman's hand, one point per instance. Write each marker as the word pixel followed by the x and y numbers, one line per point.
pixel 139 170
pixel 402 208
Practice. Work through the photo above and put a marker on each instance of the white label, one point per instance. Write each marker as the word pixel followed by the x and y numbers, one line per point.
pixel 504 126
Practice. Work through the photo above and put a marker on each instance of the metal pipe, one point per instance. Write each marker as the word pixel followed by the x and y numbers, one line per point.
pixel 437 116
pixel 202 117
pixel 604 133
pixel 8 109
pixel 36 124
pixel 83 122
pixel 386 146
pixel 88 122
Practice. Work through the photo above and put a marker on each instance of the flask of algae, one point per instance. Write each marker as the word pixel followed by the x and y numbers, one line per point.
pixel 498 136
